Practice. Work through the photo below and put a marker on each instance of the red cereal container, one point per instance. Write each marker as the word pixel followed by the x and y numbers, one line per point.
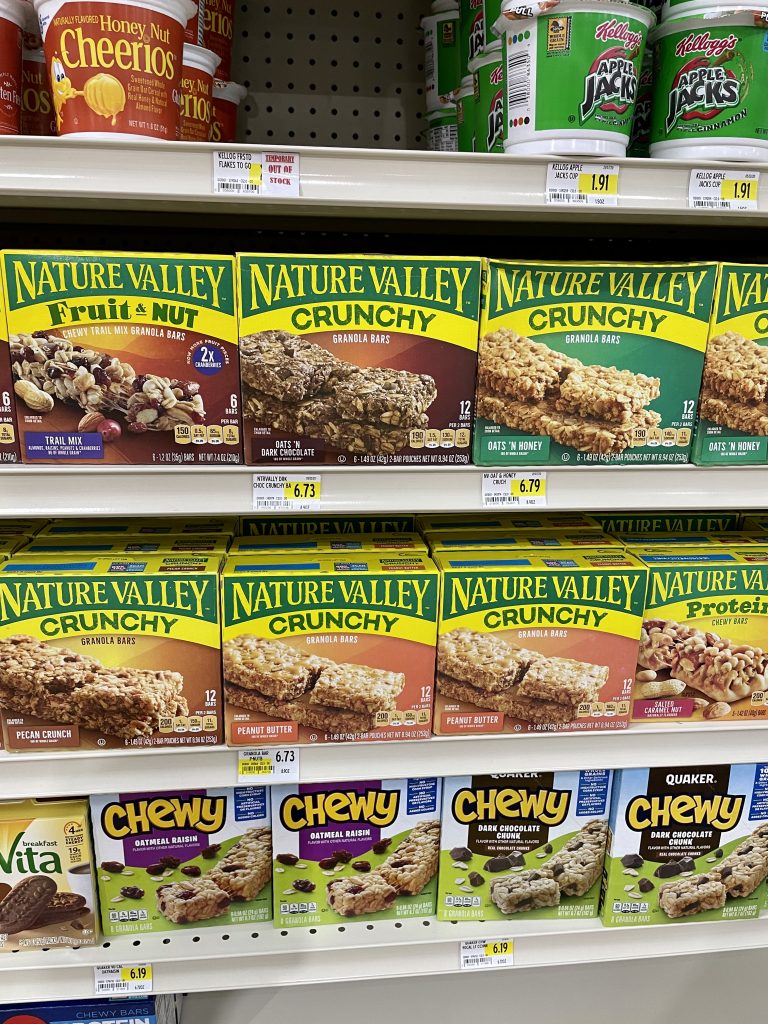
pixel 37 116
pixel 198 69
pixel 193 33
pixel 217 32
pixel 115 67
pixel 227 97
pixel 13 15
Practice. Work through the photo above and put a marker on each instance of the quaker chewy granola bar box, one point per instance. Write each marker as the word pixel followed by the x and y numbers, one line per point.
pixel 121 358
pixel 102 652
pixel 323 647
pixel 702 647
pixel 531 843
pixel 46 875
pixel 687 842
pixel 185 857
pixel 530 642
pixel 358 359
pixel 355 850
pixel 590 363
pixel 122 1010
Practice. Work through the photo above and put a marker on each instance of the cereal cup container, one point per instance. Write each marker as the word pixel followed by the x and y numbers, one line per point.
pixel 442 130
pixel 442 63
pixel 198 68
pixel 115 67
pixel 465 115
pixel 490 100
pixel 218 28
pixel 37 116
pixel 227 97
pixel 477 28
pixel 13 18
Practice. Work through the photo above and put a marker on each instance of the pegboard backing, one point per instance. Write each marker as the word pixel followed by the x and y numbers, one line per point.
pixel 320 73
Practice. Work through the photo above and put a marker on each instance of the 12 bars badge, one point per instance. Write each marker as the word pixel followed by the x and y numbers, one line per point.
pixel 704 87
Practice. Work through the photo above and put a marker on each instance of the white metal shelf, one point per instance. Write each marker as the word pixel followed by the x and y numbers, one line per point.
pixel 67 773
pixel 137 490
pixel 260 956
pixel 375 184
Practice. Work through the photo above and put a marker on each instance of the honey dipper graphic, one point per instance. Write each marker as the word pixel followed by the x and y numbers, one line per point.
pixel 104 94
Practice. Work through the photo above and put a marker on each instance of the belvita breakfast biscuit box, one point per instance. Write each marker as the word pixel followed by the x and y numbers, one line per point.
pixel 321 647
pixel 358 360
pixel 590 363
pixel 100 652
pixel 733 410
pixel 183 858
pixel 530 642
pixel 532 843
pixel 47 890
pixel 124 358
pixel 702 648
pixel 687 842
pixel 366 850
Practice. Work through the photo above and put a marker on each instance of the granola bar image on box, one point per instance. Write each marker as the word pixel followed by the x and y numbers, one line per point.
pixel 247 867
pixel 736 369
pixel 360 894
pixel 527 890
pixel 269 666
pixel 691 896
pixel 579 863
pixel 414 862
pixel 198 899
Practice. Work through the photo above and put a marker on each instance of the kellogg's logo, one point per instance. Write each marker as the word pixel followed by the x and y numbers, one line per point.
pixel 614 29
pixel 702 42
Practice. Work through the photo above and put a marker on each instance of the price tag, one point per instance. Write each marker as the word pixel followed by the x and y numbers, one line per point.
pixel 123 981
pixel 723 190
pixel 268 764
pixel 480 954
pixel 518 489
pixel 239 172
pixel 575 184
pixel 287 492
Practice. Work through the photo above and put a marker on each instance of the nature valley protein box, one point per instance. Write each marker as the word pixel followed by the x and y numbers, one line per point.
pixel 322 647
pixel 702 648
pixel 687 842
pixel 275 526
pixel 531 844
pixel 46 875
pixel 585 363
pixel 172 860
pixel 530 642
pixel 99 652
pixel 123 358
pixel 356 360
pixel 366 850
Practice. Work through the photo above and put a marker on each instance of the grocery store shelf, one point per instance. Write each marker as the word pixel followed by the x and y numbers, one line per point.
pixel 136 490
pixel 358 183
pixel 106 771
pixel 261 956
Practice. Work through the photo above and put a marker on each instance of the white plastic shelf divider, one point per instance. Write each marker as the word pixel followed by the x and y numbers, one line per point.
pixel 364 183
pixel 62 774
pixel 260 956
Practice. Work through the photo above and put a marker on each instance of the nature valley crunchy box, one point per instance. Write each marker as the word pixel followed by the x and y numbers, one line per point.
pixel 366 850
pixel 321 647
pixel 46 875
pixel 358 359
pixel 687 842
pixel 171 860
pixel 329 543
pixel 122 544
pixel 533 643
pixel 487 539
pixel 531 844
pixel 170 525
pixel 669 522
pixel 585 363
pixel 492 520
pixel 733 411
pixel 102 652
pixel 275 526
pixel 702 648
pixel 122 358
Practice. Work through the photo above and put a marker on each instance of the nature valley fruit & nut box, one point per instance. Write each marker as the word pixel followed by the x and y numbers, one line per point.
pixel 100 652
pixel 183 858
pixel 530 642
pixel 365 850
pixel 590 363
pixel 121 358
pixel 47 896
pixel 276 526
pixel 733 411
pixel 358 360
pixel 687 843
pixel 320 647
pixel 9 434
pixel 702 651
pixel 532 843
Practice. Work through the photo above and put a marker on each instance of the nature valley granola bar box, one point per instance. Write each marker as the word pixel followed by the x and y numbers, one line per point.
pixel 530 642
pixel 492 520
pixel 513 539
pixel 99 652
pixel 685 843
pixel 702 648
pixel 329 543
pixel 46 875
pixel 532 844
pixel 124 358
pixel 121 544
pixel 586 363
pixel 276 526
pixel 320 647
pixel 355 850
pixel 669 522
pixel 183 858
pixel 167 525
pixel 358 360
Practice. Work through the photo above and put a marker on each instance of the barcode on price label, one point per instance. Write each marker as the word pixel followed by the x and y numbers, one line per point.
pixel 480 954
pixel 268 764
pixel 514 489
pixel 117 980
pixel 242 172
pixel 287 492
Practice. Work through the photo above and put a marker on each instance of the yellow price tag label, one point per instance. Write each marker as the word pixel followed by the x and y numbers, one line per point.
pixel 142 972
pixel 529 486
pixel 599 184
pixel 302 490
pixel 739 188
pixel 501 947
pixel 259 766
pixel 254 174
